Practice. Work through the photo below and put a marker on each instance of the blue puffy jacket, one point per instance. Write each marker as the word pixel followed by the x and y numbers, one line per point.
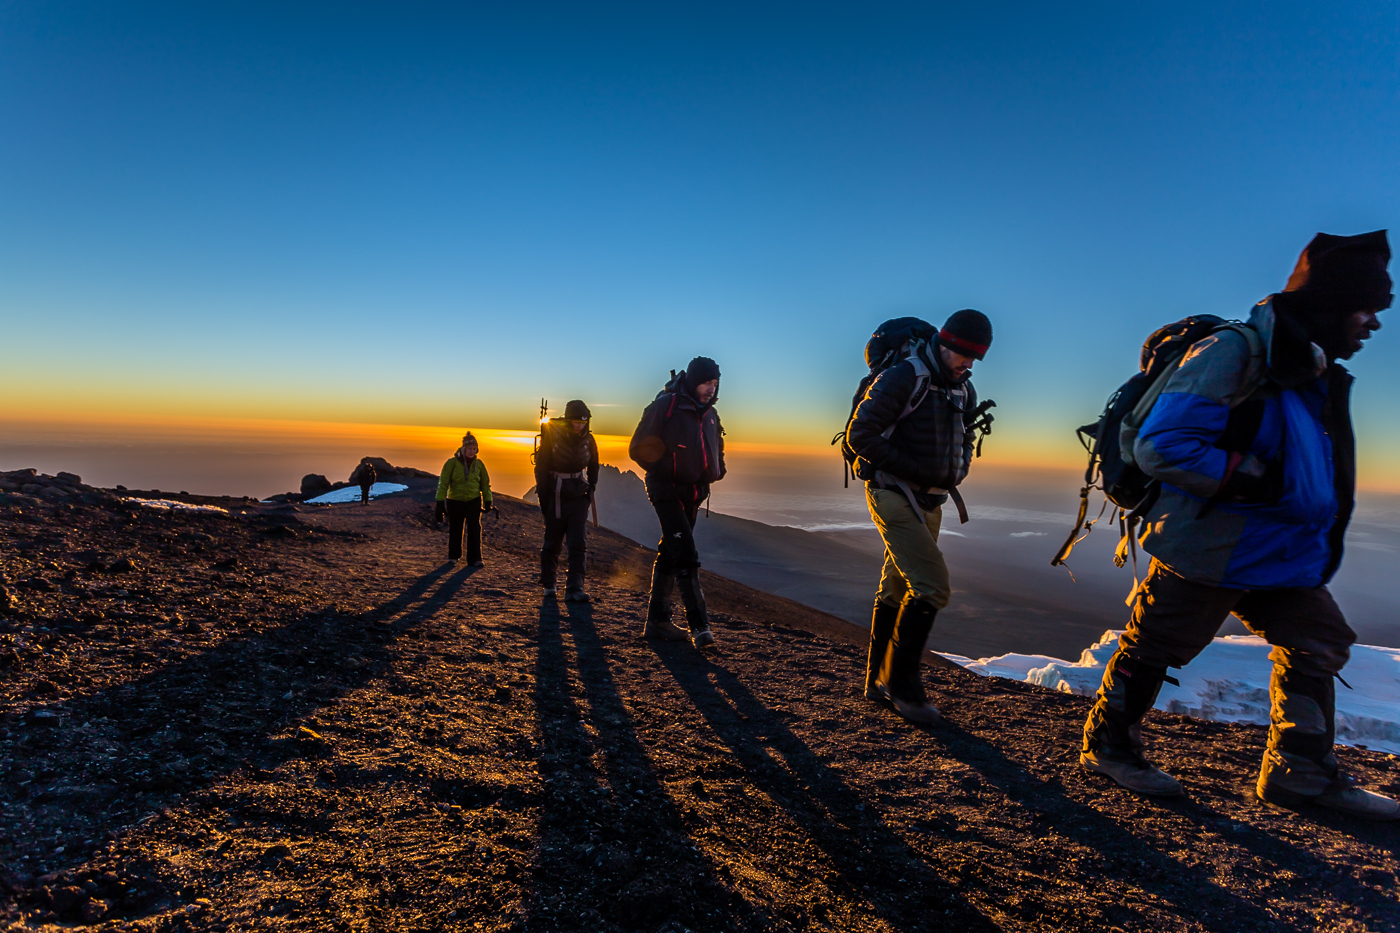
pixel 1295 541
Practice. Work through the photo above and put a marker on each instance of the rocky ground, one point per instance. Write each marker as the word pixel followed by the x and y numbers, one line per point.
pixel 266 718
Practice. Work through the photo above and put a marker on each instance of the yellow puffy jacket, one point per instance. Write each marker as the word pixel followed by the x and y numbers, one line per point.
pixel 464 483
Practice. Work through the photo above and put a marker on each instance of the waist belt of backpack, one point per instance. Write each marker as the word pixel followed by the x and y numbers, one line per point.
pixel 888 481
pixel 559 488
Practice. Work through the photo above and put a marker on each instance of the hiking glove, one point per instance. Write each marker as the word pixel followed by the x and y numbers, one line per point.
pixel 439 513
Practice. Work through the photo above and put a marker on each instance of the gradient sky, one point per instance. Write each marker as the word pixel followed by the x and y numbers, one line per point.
pixel 436 214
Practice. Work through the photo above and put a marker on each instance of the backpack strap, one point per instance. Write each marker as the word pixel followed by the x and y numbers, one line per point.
pixel 1256 371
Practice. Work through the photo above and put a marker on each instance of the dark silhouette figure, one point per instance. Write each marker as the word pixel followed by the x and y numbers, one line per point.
pixel 566 476
pixel 365 477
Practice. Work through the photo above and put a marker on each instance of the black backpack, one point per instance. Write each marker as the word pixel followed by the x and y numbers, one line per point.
pixel 1110 439
pixel 884 349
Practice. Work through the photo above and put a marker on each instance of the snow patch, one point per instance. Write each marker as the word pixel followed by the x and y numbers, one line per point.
pixel 352 494
pixel 1228 682
pixel 171 504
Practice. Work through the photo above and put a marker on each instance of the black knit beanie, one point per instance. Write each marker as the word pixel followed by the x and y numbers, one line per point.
pixel 967 332
pixel 1335 276
pixel 577 411
pixel 701 370
pixel 1345 273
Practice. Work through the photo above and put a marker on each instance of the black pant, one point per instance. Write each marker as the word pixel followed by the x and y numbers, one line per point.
pixel 571 528
pixel 676 551
pixel 364 493
pixel 468 514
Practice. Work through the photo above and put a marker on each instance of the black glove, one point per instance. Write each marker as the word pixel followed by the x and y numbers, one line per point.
pixel 1254 482
pixel 440 512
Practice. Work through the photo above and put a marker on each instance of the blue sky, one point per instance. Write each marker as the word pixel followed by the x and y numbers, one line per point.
pixel 436 214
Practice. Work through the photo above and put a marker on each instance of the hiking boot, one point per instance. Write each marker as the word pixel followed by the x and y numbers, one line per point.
pixel 659 624
pixel 881 628
pixel 549 592
pixel 664 629
pixel 573 589
pixel 917 710
pixel 1343 794
pixel 899 678
pixel 696 616
pixel 1132 772
pixel 1113 739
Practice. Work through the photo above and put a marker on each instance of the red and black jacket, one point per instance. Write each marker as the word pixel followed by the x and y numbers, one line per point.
pixel 680 445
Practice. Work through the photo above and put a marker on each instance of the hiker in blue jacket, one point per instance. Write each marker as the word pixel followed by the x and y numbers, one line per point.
pixel 1256 494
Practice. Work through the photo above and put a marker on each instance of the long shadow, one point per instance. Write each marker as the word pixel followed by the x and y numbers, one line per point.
pixel 1125 856
pixel 614 847
pixel 192 722
pixel 870 859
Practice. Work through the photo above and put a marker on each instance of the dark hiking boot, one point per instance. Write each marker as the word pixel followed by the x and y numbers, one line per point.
pixel 917 710
pixel 1113 740
pixel 696 616
pixel 1132 772
pixel 664 629
pixel 573 589
pixel 899 677
pixel 659 624
pixel 881 628
pixel 1343 794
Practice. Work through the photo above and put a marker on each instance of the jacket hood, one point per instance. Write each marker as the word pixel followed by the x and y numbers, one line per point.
pixel 1292 359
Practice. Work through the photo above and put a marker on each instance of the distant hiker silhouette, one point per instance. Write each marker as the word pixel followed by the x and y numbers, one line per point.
pixel 680 444
pixel 1255 497
pixel 566 477
pixel 911 436
pixel 365 477
pixel 463 493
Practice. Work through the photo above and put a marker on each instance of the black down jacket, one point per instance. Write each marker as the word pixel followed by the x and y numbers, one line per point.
pixel 931 446
pixel 680 445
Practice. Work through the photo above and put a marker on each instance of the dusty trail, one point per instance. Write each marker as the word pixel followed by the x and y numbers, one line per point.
pixel 304 720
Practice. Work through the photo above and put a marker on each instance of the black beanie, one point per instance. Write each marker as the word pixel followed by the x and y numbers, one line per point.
pixel 967 332
pixel 577 411
pixel 701 370
pixel 1343 273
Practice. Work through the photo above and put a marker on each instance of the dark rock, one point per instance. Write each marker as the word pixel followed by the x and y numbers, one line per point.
pixel 69 479
pixel 122 565
pixel 313 485
pixel 93 910
pixel 384 471
pixel 275 853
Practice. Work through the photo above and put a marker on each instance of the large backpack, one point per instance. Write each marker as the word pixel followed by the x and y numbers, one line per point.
pixel 884 349
pixel 1111 439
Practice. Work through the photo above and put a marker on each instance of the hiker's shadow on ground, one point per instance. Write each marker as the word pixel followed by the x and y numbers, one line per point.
pixel 855 838
pixel 190 723
pixel 1137 862
pixel 611 838
pixel 872 861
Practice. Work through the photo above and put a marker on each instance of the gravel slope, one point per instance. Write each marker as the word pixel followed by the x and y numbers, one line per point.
pixel 303 720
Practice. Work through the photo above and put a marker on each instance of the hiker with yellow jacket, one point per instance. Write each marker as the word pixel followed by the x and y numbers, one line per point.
pixel 463 493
